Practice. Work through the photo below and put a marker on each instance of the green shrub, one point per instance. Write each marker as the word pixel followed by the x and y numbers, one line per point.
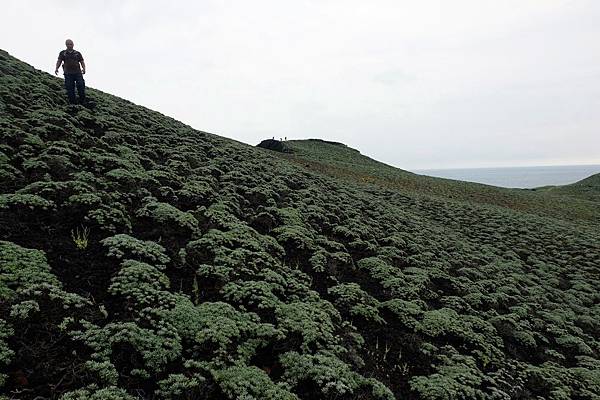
pixel 318 261
pixel 156 346
pixel 93 392
pixel 141 284
pixel 180 386
pixel 229 334
pixel 251 294
pixel 314 320
pixel 111 219
pixel 123 246
pixel 6 353
pixel 22 268
pixel 168 217
pixel 456 377
pixel 25 202
pixel 294 238
pixel 195 192
pixel 350 298
pixel 131 179
pixel 408 313
pixel 250 383
pixel 331 375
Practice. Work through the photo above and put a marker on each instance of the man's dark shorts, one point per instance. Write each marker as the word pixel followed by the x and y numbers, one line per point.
pixel 72 80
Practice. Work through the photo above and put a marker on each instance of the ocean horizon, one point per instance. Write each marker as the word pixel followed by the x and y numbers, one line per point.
pixel 517 177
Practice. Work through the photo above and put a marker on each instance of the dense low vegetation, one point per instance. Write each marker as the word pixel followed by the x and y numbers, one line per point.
pixel 586 189
pixel 140 258
pixel 342 162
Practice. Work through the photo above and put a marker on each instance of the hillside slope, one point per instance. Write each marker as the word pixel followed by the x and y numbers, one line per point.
pixel 216 270
pixel 342 162
pixel 586 189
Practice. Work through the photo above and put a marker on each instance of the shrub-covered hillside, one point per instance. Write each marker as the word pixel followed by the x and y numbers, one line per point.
pixel 587 189
pixel 142 259
pixel 340 161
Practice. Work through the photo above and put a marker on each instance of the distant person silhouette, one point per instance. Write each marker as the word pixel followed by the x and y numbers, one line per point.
pixel 71 59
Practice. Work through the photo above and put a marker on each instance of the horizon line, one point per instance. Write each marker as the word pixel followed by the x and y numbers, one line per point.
pixel 509 167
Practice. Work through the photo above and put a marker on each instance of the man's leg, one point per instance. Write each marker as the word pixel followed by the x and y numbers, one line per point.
pixel 70 86
pixel 80 88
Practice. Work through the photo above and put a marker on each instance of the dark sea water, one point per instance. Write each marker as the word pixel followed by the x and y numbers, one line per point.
pixel 518 177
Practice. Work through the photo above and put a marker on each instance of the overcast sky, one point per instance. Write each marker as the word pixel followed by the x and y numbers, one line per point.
pixel 416 84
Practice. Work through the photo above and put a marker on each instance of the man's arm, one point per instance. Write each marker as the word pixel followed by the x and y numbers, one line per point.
pixel 82 66
pixel 58 62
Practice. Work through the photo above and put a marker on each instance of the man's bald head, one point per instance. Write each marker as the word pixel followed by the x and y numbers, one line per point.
pixel 69 44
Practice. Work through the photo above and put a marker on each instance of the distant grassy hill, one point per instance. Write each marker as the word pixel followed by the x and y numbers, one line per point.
pixel 586 189
pixel 143 259
pixel 340 161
